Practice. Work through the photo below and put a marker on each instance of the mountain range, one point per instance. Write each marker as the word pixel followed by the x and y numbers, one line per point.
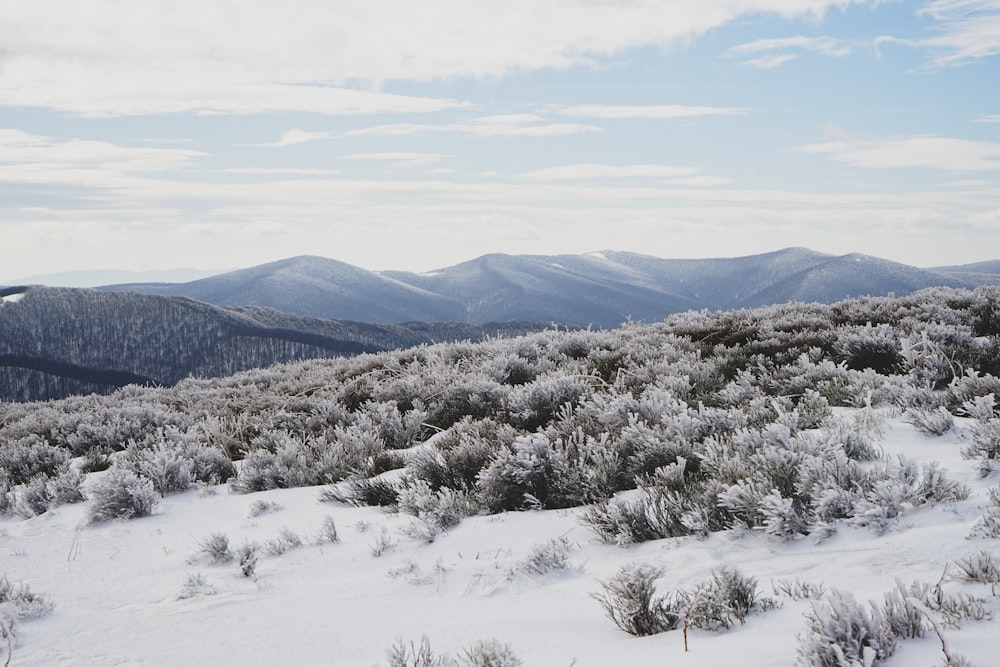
pixel 600 289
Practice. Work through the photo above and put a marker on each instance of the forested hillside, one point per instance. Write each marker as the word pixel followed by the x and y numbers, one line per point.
pixel 56 342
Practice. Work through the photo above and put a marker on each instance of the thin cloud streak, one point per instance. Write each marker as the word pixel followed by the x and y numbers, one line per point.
pixel 939 153
pixel 651 112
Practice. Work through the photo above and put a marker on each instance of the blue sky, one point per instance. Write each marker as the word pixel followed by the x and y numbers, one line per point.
pixel 405 135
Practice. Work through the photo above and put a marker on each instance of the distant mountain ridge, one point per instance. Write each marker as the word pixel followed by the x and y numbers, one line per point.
pixel 601 288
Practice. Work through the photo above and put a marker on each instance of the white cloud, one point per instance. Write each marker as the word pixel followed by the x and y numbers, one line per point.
pixel 295 136
pixel 507 125
pixel 585 172
pixel 992 118
pixel 652 112
pixel 699 181
pixel 401 159
pixel 106 57
pixel 966 31
pixel 827 46
pixel 776 50
pixel 30 158
pixel 941 153
pixel 281 171
pixel 770 61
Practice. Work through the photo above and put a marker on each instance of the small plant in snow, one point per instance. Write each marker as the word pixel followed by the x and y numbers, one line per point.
pixel 247 558
pixel 484 653
pixel 381 543
pixel 285 540
pixel 989 524
pixel 797 589
pixel 216 547
pixel 981 567
pixel 489 653
pixel 328 531
pixel 121 494
pixel 259 507
pixel 196 585
pixel 21 602
pixel 548 557
pixel 937 421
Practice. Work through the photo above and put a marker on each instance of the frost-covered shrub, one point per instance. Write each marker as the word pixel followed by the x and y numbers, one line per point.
pixel 397 430
pixel 440 510
pixel 489 653
pixel 372 491
pixel 876 347
pixel 460 453
pixel 216 548
pixel 65 488
pixel 798 589
pixel 28 457
pixel 162 465
pixel 121 494
pixel 980 567
pixel 483 653
pixel 811 410
pixel 328 531
pixel 260 507
pixel 985 440
pixel 842 633
pixel 629 601
pixel 196 585
pixel 726 597
pixel 247 557
pixel 937 421
pixel 903 619
pixel 989 524
pixel 536 404
pixel 285 461
pixel 18 599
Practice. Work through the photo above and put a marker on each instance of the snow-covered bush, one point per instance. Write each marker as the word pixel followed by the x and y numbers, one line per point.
pixel 547 557
pixel 716 603
pixel 937 421
pixel 981 567
pixel 28 457
pixel 439 510
pixel 989 524
pixel 876 347
pixel 629 600
pixel 842 633
pixel 120 494
pixel 247 556
pixel 216 548
pixel 163 465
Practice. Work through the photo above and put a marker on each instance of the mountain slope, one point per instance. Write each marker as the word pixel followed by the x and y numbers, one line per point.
pixel 316 287
pixel 601 289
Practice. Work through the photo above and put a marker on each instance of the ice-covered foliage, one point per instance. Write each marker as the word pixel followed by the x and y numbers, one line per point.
pixel 121 494
pixel 717 420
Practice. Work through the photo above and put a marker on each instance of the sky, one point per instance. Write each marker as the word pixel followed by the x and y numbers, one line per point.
pixel 393 134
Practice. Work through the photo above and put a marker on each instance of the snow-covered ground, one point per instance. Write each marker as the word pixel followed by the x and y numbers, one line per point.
pixel 122 595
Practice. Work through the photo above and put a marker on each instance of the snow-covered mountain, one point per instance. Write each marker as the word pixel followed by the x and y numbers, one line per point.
pixel 601 288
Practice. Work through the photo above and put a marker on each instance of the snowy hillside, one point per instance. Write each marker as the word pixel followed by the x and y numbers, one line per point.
pixel 795 485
